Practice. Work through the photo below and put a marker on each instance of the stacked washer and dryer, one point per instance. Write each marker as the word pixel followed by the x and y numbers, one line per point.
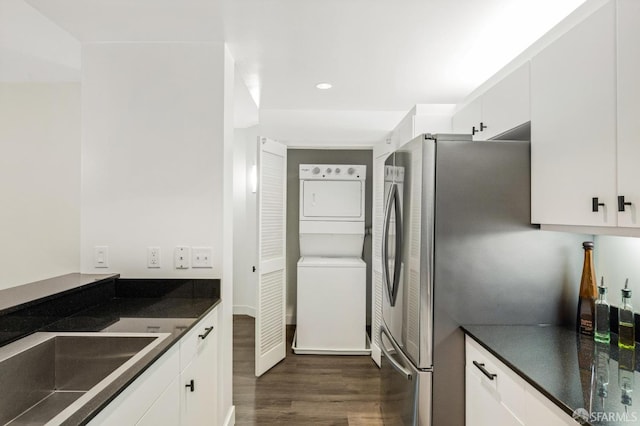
pixel 331 305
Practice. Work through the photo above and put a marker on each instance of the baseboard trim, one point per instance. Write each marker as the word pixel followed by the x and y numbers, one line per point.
pixel 230 420
pixel 244 310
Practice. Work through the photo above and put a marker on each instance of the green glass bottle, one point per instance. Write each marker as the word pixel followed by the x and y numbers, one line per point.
pixel 626 325
pixel 603 332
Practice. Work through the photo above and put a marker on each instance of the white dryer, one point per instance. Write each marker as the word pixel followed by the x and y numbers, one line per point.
pixel 332 210
pixel 331 292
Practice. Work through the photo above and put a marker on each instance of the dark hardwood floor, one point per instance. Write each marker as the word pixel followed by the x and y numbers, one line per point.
pixel 302 389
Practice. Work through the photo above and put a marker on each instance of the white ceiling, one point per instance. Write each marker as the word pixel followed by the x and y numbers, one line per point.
pixel 380 55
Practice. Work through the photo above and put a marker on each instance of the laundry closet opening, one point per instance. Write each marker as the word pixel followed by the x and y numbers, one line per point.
pixel 296 157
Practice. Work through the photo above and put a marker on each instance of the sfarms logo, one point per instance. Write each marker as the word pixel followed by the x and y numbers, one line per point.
pixel 583 416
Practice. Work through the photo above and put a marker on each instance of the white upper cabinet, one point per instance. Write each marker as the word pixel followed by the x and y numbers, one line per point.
pixel 506 105
pixel 501 108
pixel 467 119
pixel 573 125
pixel 629 111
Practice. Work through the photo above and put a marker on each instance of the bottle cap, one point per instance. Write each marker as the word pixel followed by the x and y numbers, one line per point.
pixel 602 290
pixel 587 245
pixel 626 291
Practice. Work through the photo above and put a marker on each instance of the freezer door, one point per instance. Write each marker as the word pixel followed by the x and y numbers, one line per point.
pixel 399 388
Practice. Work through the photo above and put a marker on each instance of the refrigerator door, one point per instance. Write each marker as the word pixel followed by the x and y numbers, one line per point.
pixel 392 243
pixel 400 385
pixel 410 318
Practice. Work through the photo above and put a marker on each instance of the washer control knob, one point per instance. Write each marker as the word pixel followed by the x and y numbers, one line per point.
pixel 315 170
pixel 337 170
pixel 329 170
pixel 351 170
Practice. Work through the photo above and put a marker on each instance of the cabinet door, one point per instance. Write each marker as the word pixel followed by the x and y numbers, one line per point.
pixel 629 111
pixel 506 105
pixel 133 402
pixel 541 411
pixel 164 411
pixel 468 119
pixel 573 125
pixel 199 403
pixel 483 403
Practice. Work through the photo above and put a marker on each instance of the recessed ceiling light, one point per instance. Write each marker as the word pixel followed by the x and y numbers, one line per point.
pixel 324 86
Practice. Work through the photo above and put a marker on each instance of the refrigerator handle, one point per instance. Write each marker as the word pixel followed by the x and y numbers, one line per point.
pixel 400 369
pixel 399 244
pixel 385 243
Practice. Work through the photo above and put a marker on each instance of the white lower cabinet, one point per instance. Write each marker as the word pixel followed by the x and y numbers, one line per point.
pixel 199 382
pixel 163 395
pixel 496 395
pixel 163 412
pixel 133 403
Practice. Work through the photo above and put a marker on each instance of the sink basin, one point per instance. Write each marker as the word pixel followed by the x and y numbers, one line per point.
pixel 47 376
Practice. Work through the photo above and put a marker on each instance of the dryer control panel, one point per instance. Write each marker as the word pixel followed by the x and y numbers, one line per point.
pixel 333 172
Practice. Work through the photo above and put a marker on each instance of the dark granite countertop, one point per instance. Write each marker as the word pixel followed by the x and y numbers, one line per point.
pixel 112 304
pixel 571 370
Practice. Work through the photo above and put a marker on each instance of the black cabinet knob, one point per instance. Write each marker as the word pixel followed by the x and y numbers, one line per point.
pixel 595 205
pixel 191 385
pixel 473 130
pixel 622 203
pixel 482 126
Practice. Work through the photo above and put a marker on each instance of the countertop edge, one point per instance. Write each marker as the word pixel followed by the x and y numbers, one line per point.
pixel 515 369
pixel 83 417
pixel 23 296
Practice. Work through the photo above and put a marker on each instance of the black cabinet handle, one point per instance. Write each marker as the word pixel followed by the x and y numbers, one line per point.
pixel 253 269
pixel 482 126
pixel 191 385
pixel 622 203
pixel 595 205
pixel 480 366
pixel 206 333
pixel 473 130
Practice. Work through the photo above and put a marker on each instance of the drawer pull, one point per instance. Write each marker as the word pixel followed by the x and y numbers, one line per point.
pixel 480 366
pixel 191 385
pixel 206 333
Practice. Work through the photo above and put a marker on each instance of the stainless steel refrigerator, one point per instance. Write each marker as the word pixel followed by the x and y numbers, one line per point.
pixel 458 248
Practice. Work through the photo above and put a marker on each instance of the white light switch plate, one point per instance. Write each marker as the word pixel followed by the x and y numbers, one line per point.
pixel 181 257
pixel 101 257
pixel 201 257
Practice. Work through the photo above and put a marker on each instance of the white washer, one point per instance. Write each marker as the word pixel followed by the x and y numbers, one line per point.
pixel 331 306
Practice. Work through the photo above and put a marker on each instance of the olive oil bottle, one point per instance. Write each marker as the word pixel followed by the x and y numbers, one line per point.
pixel 626 325
pixel 588 293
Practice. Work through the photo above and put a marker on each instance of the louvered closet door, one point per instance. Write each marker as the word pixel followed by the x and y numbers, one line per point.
pixel 272 280
pixel 378 218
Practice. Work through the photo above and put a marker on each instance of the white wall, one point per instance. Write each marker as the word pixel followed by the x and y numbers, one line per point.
pixel 245 223
pixel 328 129
pixel 152 154
pixel 225 386
pixel 157 155
pixel 616 259
pixel 39 181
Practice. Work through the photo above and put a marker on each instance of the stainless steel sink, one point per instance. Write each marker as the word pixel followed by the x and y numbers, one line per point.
pixel 46 375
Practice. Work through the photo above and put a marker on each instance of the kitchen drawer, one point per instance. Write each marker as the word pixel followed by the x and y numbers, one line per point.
pixel 198 337
pixel 506 387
